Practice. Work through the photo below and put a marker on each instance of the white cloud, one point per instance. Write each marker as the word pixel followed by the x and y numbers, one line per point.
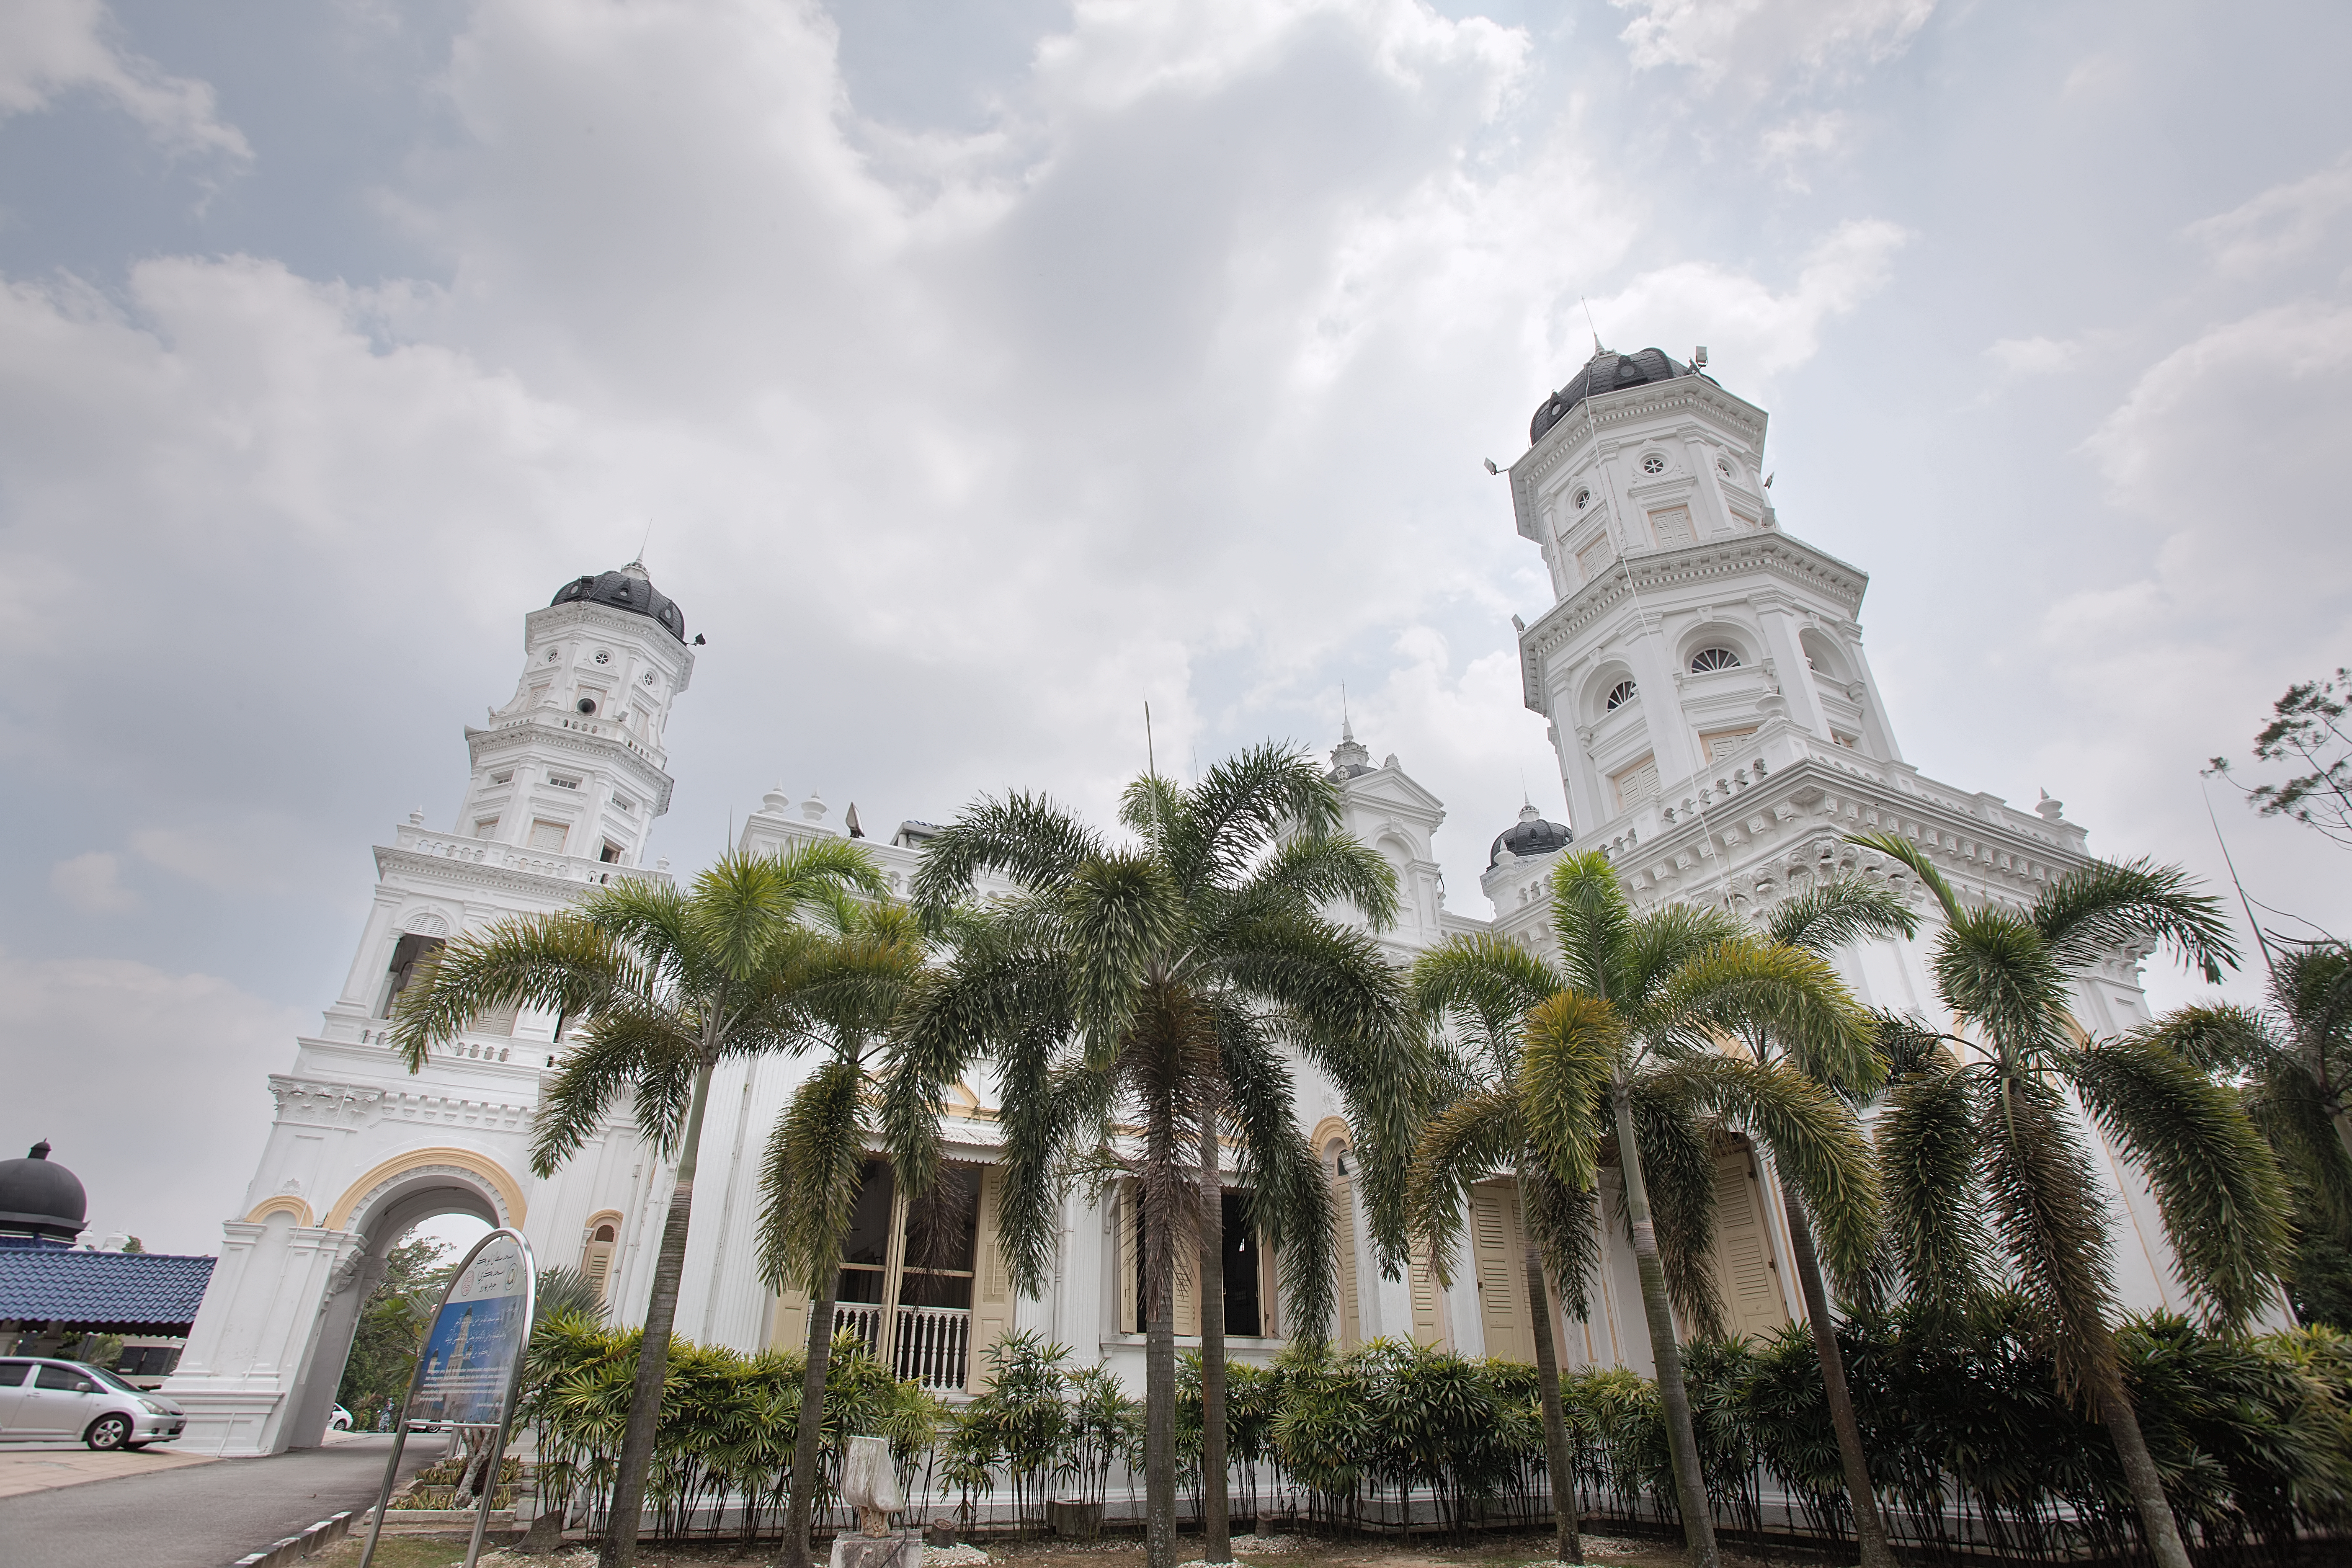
pixel 1739 318
pixel 49 47
pixel 92 883
pixel 2241 585
pixel 2019 357
pixel 2282 224
pixel 153 1086
pixel 1801 140
pixel 1757 43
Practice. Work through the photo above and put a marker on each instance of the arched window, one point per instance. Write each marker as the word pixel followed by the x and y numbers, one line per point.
pixel 1619 695
pixel 1708 658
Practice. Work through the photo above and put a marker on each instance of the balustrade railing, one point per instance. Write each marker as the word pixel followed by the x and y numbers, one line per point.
pixel 931 1345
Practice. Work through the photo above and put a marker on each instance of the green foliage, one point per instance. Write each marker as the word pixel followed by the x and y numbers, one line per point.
pixel 391 1330
pixel 723 1444
pixel 2308 732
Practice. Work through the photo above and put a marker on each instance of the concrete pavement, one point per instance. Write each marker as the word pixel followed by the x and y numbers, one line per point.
pixel 37 1467
pixel 195 1515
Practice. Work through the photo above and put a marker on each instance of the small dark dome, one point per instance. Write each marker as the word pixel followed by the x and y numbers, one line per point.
pixel 40 1199
pixel 1608 371
pixel 627 589
pixel 1531 835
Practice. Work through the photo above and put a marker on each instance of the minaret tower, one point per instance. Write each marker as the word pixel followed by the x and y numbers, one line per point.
pixel 1684 624
pixel 566 779
pixel 573 765
pixel 1710 700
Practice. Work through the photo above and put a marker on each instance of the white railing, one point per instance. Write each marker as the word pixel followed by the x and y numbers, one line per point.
pixel 932 1345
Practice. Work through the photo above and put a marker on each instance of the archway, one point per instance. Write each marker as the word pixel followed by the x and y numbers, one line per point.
pixel 380 1210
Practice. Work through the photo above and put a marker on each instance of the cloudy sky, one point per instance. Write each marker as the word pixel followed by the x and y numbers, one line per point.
pixel 984 370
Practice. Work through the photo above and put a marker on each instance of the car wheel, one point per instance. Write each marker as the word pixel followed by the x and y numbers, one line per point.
pixel 107 1432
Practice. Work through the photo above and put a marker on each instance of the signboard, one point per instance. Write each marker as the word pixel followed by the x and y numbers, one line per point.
pixel 477 1341
pixel 466 1380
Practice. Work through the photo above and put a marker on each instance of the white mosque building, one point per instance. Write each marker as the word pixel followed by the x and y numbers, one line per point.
pixel 1719 734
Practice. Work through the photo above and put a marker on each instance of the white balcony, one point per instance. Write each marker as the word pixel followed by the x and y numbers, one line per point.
pixel 931 1345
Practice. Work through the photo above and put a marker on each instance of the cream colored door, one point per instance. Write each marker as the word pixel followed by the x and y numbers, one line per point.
pixel 1744 1266
pixel 991 1284
pixel 1351 1314
pixel 1502 1287
pixel 1428 1302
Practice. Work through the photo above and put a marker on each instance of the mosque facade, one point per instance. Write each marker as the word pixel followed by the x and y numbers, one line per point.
pixel 1718 733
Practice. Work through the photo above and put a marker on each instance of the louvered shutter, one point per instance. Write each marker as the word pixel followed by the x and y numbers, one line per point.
pixel 1350 1325
pixel 1502 1294
pixel 1130 1263
pixel 991 1283
pixel 1428 1317
pixel 788 1330
pixel 1743 1250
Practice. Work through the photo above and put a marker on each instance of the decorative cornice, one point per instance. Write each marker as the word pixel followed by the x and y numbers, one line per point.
pixel 319 1100
pixel 452 868
pixel 1787 559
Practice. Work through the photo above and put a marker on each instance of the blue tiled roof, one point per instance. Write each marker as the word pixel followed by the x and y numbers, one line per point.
pixel 150 1290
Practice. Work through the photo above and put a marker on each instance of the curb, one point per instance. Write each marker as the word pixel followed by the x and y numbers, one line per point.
pixel 294 1548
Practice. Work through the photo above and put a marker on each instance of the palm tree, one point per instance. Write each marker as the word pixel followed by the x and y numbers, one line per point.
pixel 1995 1121
pixel 664 985
pixel 846 992
pixel 2294 1059
pixel 1625 1034
pixel 1142 1000
pixel 1823 918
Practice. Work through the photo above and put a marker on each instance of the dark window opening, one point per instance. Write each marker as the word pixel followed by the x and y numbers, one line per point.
pixel 943 1241
pixel 866 1250
pixel 612 852
pixel 406 954
pixel 1243 1313
pixel 605 1232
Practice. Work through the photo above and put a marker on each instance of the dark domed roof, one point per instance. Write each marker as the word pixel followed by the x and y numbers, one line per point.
pixel 1607 371
pixel 627 589
pixel 1531 835
pixel 41 1199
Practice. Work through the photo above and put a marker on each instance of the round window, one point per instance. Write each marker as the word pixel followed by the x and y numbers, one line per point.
pixel 1619 695
pixel 1583 499
pixel 1655 463
pixel 1708 658
pixel 1723 467
pixel 604 656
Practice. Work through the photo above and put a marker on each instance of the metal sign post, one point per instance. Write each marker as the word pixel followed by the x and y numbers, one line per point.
pixel 470 1371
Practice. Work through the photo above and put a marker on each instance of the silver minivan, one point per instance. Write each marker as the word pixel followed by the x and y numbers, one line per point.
pixel 44 1401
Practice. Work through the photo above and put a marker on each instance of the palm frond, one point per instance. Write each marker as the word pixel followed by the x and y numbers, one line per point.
pixel 1915 858
pixel 2052 1222
pixel 2086 914
pixel 741 899
pixel 1996 971
pixel 1466 1143
pixel 1659 944
pixel 1590 917
pixel 1833 913
pixel 1678 1167
pixel 1309 869
pixel 1121 912
pixel 809 1178
pixel 607 1062
pixel 2216 1181
pixel 1486 982
pixel 1815 1141
pixel 1749 986
pixel 556 963
pixel 1564 1223
pixel 1573 1047
pixel 1028 837
pixel 1934 1207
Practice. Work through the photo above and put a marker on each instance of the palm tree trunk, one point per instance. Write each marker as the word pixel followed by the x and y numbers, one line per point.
pixel 1216 1543
pixel 620 1544
pixel 2156 1522
pixel 1160 1396
pixel 1682 1438
pixel 809 1440
pixel 1571 1542
pixel 1869 1526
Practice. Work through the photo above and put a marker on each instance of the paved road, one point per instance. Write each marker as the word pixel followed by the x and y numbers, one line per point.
pixel 204 1516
